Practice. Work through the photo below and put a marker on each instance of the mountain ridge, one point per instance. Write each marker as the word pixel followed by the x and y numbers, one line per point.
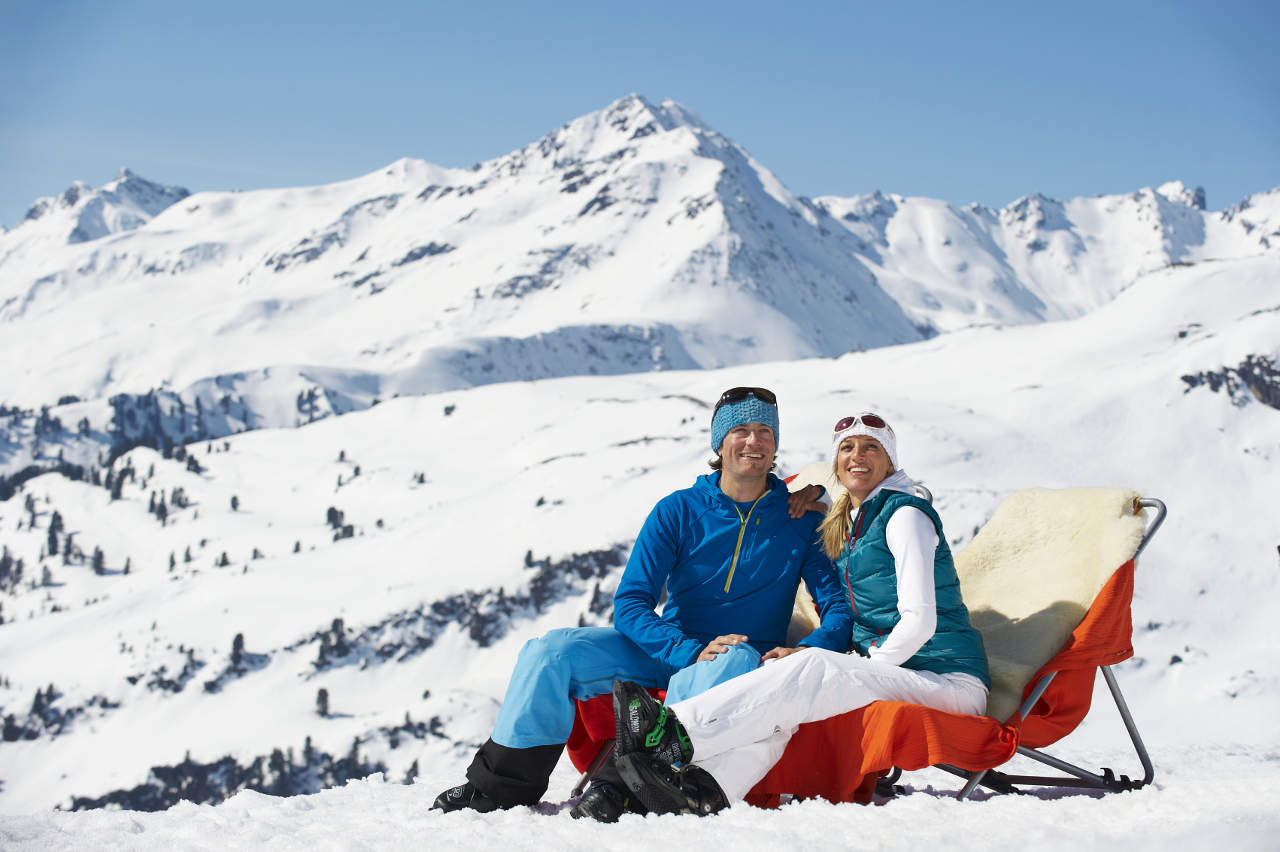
pixel 634 238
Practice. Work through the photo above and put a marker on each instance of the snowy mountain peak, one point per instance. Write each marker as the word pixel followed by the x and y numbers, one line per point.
pixel 82 214
pixel 66 199
pixel 609 133
pixel 1178 192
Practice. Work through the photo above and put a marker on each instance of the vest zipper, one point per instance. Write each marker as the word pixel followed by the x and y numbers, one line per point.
pixel 848 568
pixel 849 542
pixel 742 528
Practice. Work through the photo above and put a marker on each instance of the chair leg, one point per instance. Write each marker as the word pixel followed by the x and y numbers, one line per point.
pixel 1149 770
pixel 1078 776
pixel 972 784
pixel 596 762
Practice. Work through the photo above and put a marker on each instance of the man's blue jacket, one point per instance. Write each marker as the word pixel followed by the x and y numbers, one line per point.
pixel 727 568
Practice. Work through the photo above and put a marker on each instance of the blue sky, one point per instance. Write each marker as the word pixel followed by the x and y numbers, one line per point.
pixel 966 102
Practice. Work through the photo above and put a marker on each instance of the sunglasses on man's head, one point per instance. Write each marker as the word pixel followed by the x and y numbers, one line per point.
pixel 872 421
pixel 739 394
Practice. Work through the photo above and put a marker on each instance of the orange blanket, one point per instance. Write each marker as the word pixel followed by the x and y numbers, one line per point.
pixel 837 757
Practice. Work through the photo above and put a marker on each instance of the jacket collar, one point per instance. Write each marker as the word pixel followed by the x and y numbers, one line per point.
pixel 709 486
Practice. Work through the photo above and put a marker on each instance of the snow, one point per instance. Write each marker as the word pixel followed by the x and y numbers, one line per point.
pixel 1209 800
pixel 473 444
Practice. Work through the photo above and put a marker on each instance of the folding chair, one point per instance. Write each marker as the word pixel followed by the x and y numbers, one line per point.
pixel 1049 583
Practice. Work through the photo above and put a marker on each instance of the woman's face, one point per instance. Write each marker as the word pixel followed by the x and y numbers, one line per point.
pixel 861 465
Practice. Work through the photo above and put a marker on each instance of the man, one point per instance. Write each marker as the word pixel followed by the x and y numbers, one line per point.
pixel 730 557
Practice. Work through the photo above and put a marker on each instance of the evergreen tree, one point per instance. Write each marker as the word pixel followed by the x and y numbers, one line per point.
pixel 353 757
pixel 235 503
pixel 237 649
pixel 279 771
pixel 322 707
pixel 326 647
pixel 99 561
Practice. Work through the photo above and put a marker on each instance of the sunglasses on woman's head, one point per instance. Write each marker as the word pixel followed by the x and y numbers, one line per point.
pixel 872 421
pixel 739 394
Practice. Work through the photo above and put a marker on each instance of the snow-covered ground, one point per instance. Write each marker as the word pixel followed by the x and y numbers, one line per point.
pixel 1207 799
pixel 570 466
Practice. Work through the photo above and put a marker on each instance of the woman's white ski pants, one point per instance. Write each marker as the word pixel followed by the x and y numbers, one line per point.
pixel 740 728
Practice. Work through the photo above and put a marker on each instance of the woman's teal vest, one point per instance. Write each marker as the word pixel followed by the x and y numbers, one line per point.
pixel 867 570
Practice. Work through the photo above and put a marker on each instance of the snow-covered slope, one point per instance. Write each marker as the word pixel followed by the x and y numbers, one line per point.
pixel 443 530
pixel 1040 259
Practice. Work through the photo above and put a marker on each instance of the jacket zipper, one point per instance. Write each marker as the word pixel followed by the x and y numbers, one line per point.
pixel 742 528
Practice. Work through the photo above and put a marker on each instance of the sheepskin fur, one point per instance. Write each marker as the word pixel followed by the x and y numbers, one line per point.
pixel 1032 572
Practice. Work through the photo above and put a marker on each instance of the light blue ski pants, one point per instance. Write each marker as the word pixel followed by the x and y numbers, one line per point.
pixel 582 662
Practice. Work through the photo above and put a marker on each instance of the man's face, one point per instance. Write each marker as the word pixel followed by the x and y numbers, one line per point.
pixel 748 450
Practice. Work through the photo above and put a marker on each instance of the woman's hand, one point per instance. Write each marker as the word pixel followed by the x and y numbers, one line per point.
pixel 719 645
pixel 805 500
pixel 779 653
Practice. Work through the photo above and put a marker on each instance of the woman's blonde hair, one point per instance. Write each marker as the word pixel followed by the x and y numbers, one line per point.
pixel 835 526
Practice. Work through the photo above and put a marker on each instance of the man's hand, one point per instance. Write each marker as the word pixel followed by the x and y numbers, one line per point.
pixel 719 645
pixel 805 500
pixel 778 654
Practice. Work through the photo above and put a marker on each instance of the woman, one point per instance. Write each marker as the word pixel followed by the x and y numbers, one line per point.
pixel 912 642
